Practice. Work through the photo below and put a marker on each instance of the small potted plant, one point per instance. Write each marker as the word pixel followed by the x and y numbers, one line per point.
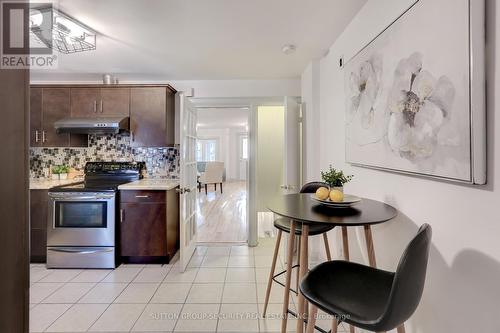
pixel 55 172
pixel 60 172
pixel 63 172
pixel 335 178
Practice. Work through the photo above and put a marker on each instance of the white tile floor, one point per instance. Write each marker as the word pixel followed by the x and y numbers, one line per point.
pixel 223 290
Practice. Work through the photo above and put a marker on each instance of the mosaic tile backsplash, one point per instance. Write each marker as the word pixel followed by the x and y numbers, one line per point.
pixel 159 161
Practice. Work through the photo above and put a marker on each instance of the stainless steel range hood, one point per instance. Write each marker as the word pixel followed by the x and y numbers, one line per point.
pixel 110 125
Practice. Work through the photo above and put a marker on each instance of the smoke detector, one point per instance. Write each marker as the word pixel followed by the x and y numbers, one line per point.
pixel 288 49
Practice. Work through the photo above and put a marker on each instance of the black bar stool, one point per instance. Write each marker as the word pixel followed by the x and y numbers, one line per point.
pixel 283 225
pixel 366 297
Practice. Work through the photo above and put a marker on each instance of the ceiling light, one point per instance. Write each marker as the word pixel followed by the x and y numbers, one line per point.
pixel 65 33
pixel 288 49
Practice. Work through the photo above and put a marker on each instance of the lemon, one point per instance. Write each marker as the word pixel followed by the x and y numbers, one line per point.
pixel 322 193
pixel 336 196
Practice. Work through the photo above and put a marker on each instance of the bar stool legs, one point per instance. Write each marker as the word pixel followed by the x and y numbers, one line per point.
pixel 369 246
pixel 271 274
pixel 327 247
pixel 297 278
pixel 335 325
pixel 345 244
pixel 311 318
pixel 302 272
pixel 273 265
pixel 289 255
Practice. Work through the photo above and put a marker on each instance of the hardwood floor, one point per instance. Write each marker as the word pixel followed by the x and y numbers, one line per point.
pixel 222 217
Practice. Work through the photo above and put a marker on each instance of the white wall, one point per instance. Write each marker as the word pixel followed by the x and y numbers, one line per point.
pixel 240 88
pixel 462 292
pixel 310 114
pixel 228 147
pixel 208 88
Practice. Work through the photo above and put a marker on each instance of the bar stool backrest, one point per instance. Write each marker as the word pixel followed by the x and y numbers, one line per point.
pixel 312 187
pixel 409 280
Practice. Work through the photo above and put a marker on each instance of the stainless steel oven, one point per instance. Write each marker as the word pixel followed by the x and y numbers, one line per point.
pixel 81 229
pixel 81 223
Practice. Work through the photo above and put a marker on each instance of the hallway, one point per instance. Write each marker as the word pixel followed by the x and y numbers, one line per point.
pixel 222 217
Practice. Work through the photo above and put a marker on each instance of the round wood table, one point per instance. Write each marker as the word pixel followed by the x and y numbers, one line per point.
pixel 300 208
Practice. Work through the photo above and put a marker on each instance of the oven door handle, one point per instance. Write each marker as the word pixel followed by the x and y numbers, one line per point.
pixel 81 198
pixel 80 251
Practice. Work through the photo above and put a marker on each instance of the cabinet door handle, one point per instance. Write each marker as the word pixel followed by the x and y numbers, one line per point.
pixel 37 137
pixel 122 216
pixel 44 137
pixel 95 106
pixel 142 196
pixel 102 104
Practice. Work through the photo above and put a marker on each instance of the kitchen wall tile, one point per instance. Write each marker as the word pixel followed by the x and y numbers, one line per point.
pixel 163 161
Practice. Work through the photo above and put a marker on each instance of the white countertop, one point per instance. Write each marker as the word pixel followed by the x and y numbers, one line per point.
pixel 151 184
pixel 45 184
pixel 143 184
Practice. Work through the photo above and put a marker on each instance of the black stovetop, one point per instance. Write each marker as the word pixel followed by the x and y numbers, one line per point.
pixel 104 177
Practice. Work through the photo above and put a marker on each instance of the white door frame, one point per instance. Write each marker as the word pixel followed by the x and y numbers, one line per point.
pixel 252 104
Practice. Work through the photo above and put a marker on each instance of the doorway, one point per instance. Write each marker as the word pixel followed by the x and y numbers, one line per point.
pixel 291 162
pixel 222 157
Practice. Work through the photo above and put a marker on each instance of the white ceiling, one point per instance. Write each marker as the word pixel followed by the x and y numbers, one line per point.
pixel 222 118
pixel 201 39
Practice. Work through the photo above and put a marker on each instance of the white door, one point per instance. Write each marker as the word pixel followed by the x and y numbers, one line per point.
pixel 292 168
pixel 188 177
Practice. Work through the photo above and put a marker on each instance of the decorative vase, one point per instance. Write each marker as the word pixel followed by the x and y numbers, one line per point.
pixel 55 176
pixel 63 176
pixel 338 188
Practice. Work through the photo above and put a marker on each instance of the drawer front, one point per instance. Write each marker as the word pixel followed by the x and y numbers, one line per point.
pixel 81 257
pixel 142 196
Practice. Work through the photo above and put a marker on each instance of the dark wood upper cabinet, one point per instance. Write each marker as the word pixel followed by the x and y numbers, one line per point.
pixel 36 95
pixel 152 115
pixel 48 105
pixel 151 109
pixel 85 102
pixel 115 102
pixel 170 117
pixel 55 107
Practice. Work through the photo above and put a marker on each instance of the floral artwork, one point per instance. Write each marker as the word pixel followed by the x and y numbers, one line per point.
pixel 364 90
pixel 408 96
pixel 418 107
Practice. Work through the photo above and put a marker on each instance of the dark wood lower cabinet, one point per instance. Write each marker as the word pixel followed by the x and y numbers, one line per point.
pixel 149 226
pixel 38 251
pixel 143 229
pixel 38 225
